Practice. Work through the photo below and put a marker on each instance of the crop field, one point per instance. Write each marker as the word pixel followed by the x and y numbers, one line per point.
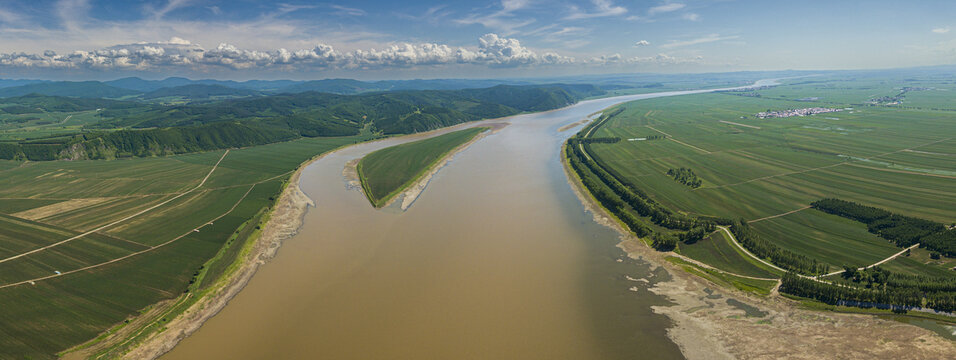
pixel 387 172
pixel 717 251
pixel 42 124
pixel 85 245
pixel 831 239
pixel 891 157
pixel 919 262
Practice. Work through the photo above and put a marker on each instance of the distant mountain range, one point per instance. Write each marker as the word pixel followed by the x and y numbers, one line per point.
pixel 136 128
pixel 134 87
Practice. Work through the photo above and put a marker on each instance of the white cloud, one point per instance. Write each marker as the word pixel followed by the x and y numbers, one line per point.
pixel 72 13
pixel 941 30
pixel 602 8
pixel 344 10
pixel 492 50
pixel 9 17
pixel 665 8
pixel 691 16
pixel 659 59
pixel 642 43
pixel 504 20
pixel 170 6
pixel 702 40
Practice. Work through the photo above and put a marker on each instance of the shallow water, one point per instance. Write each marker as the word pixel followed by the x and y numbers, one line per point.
pixel 497 259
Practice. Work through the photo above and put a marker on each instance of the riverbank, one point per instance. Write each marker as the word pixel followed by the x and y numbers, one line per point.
pixel 713 322
pixel 283 222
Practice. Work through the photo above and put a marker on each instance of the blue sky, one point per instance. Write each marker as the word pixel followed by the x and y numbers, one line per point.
pixel 244 39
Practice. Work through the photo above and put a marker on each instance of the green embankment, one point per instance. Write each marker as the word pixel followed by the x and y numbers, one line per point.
pixel 386 173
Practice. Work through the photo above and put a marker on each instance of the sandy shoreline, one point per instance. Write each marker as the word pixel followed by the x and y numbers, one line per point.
pixel 706 326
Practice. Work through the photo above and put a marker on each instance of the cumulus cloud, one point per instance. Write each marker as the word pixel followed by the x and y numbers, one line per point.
pixel 491 50
pixel 642 43
pixel 941 30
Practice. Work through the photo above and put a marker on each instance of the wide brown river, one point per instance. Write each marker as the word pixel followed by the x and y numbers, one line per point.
pixel 497 259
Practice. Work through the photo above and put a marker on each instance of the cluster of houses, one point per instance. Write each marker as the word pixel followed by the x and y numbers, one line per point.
pixel 795 112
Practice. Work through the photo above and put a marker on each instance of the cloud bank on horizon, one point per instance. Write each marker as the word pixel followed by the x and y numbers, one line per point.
pixel 99 38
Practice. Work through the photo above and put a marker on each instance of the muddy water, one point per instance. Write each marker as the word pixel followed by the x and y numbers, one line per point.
pixel 497 259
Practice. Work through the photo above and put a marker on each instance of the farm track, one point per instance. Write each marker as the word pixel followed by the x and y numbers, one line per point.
pixel 739 124
pixel 151 194
pixel 671 138
pixel 32 281
pixel 779 215
pixel 818 277
pixel 123 219
pixel 706 266
pixel 824 167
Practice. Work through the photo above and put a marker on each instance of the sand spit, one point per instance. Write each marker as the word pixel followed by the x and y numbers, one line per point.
pixel 284 222
pixel 709 322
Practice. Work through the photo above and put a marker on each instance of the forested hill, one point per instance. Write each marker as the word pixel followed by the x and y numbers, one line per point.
pixel 397 112
pixel 81 89
pixel 149 130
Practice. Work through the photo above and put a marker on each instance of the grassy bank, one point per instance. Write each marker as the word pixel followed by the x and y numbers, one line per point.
pixel 388 172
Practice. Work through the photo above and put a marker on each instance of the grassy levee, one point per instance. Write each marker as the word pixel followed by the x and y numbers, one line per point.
pixel 98 292
pixel 760 287
pixel 388 172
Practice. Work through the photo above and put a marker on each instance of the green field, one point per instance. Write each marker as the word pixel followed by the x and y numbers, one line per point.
pixel 890 144
pixel 386 173
pixel 717 251
pixel 900 159
pixel 112 274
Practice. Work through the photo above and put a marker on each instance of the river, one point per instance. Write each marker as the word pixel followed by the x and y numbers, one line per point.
pixel 497 259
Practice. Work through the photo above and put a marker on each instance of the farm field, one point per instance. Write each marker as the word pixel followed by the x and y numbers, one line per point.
pixel 891 157
pixel 717 251
pixel 386 173
pixel 85 245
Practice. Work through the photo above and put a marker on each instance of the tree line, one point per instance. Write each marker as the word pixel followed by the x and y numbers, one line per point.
pixel 896 298
pixel 781 257
pixel 904 231
pixel 593 140
pixel 624 202
pixel 638 200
